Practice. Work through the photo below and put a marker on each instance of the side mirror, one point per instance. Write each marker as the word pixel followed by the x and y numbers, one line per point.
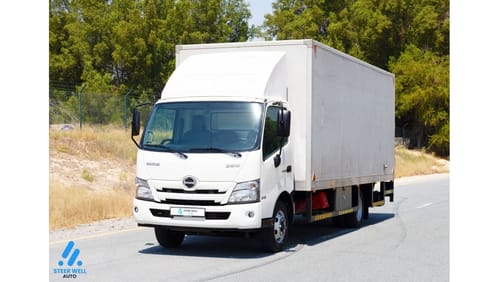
pixel 136 122
pixel 284 117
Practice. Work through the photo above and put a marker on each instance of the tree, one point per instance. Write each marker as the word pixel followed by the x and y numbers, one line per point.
pixel 422 96
pixel 114 46
pixel 293 19
pixel 408 37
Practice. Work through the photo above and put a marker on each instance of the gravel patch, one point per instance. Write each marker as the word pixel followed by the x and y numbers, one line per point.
pixel 94 228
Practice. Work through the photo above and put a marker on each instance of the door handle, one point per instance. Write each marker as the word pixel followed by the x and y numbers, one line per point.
pixel 288 169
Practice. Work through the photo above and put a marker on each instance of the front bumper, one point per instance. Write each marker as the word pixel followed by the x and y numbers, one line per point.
pixel 232 217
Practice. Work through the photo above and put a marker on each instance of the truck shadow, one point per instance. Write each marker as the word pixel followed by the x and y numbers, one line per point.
pixel 301 234
pixel 311 234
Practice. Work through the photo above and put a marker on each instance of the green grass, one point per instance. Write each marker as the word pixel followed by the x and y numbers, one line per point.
pixel 87 175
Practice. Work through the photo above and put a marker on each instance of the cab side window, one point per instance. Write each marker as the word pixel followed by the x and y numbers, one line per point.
pixel 271 142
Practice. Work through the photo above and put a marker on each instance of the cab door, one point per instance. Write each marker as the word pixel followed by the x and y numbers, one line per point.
pixel 276 175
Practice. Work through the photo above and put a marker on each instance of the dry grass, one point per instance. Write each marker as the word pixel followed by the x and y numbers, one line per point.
pixel 91 175
pixel 94 142
pixel 411 162
pixel 70 206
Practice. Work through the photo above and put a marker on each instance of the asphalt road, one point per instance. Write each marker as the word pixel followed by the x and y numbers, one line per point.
pixel 406 240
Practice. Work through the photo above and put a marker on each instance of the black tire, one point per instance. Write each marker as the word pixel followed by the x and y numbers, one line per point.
pixel 274 239
pixel 169 238
pixel 354 219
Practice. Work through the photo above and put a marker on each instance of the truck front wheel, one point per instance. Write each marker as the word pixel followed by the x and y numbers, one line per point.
pixel 273 239
pixel 169 238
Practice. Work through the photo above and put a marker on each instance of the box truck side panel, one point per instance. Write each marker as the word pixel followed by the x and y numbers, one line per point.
pixel 352 120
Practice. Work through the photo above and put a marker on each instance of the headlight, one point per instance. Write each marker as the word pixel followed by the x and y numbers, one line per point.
pixel 245 192
pixel 143 192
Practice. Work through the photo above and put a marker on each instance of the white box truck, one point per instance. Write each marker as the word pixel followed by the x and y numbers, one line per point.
pixel 247 137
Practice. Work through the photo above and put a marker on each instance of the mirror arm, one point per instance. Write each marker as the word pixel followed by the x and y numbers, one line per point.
pixel 277 158
pixel 137 144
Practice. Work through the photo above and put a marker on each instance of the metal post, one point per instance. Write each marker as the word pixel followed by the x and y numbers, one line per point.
pixel 125 108
pixel 80 99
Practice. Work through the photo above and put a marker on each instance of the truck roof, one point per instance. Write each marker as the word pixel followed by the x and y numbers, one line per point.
pixel 227 74
pixel 310 43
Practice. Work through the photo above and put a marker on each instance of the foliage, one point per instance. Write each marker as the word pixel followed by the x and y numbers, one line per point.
pixel 407 37
pixel 116 46
pixel 422 99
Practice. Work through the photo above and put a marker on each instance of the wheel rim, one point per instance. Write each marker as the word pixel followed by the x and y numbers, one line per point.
pixel 359 212
pixel 280 226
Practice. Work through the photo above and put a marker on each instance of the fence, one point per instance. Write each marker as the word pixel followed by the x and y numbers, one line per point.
pixel 78 106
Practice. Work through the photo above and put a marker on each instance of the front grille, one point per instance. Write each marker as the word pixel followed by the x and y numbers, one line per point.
pixel 190 202
pixel 182 191
pixel 208 215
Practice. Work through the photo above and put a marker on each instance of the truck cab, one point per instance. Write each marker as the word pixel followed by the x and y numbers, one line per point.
pixel 215 163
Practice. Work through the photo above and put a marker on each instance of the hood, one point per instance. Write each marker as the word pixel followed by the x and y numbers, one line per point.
pixel 204 167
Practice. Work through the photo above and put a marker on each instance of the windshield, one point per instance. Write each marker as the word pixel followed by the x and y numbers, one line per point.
pixel 202 127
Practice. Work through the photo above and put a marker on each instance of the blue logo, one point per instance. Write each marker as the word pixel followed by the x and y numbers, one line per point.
pixel 73 257
pixel 70 257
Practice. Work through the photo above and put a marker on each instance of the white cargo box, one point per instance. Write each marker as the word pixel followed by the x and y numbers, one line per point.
pixel 342 129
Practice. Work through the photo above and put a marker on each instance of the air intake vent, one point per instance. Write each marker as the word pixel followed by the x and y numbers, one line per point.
pixel 190 202
pixel 160 213
pixel 182 191
pixel 208 215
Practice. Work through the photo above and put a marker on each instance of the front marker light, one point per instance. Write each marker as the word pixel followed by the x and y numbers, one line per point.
pixel 245 192
pixel 143 192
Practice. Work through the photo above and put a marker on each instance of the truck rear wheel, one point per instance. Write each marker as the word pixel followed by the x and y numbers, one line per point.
pixel 273 239
pixel 169 238
pixel 353 220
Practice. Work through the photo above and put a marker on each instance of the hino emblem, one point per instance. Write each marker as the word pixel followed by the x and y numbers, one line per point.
pixel 189 181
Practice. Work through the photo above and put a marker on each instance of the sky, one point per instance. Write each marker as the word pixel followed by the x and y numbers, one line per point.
pixel 259 8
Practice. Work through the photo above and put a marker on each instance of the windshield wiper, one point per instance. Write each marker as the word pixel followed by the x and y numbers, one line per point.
pixel 167 149
pixel 217 150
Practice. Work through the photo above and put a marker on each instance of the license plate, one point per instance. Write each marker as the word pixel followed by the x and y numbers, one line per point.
pixel 189 212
